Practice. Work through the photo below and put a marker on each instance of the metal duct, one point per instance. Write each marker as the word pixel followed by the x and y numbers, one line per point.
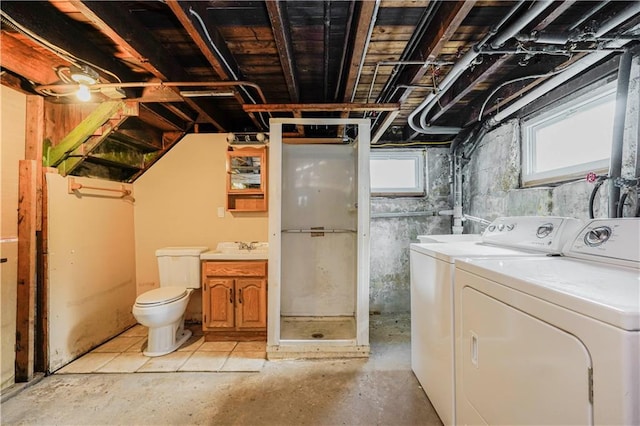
pixel 462 65
pixel 522 22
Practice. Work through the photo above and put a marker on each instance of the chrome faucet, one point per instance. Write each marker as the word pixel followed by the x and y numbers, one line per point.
pixel 247 246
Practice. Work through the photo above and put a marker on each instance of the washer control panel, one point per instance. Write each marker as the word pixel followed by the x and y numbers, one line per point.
pixel 540 233
pixel 608 239
pixel 597 236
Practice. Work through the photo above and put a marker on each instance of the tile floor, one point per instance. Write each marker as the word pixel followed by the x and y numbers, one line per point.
pixel 123 354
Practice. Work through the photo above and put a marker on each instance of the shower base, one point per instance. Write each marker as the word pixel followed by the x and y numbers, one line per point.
pixel 317 337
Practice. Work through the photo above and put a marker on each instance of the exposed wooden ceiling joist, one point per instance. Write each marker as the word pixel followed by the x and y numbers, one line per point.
pixel 47 23
pixel 365 17
pixel 321 107
pixel 130 36
pixel 17 56
pixel 280 25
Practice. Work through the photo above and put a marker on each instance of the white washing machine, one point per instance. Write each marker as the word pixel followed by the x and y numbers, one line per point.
pixel 449 238
pixel 552 340
pixel 432 274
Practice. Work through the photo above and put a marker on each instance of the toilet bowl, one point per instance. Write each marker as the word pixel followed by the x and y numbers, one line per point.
pixel 162 311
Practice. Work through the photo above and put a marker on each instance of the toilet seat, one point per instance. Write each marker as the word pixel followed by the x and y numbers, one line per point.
pixel 160 296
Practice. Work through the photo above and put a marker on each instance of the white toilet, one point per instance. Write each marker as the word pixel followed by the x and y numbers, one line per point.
pixel 162 309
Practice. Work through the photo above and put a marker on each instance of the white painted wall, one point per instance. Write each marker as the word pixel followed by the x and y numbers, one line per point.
pixel 92 271
pixel 12 139
pixel 177 202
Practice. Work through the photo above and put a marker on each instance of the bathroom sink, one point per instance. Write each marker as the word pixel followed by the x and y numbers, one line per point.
pixel 238 251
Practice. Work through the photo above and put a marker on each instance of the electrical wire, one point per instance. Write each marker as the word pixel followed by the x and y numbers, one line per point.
pixel 55 49
pixel 227 65
pixel 494 91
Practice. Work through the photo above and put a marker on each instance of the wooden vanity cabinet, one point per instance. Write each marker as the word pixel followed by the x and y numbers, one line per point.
pixel 234 297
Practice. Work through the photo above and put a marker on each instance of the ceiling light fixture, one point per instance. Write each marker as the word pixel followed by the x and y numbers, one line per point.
pixel 84 75
pixel 83 94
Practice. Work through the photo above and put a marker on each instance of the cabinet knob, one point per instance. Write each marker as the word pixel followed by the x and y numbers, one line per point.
pixel 240 298
pixel 230 295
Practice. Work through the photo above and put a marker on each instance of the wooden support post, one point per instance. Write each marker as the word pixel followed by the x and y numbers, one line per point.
pixel 34 139
pixel 25 314
pixel 34 142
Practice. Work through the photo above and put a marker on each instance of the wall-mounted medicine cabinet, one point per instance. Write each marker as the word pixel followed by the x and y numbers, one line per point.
pixel 247 179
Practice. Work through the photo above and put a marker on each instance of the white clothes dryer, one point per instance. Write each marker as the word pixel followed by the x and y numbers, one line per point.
pixel 432 279
pixel 552 340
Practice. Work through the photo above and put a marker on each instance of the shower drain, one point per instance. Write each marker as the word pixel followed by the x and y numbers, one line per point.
pixel 317 335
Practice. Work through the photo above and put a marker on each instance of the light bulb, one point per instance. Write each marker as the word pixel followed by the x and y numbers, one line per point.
pixel 83 93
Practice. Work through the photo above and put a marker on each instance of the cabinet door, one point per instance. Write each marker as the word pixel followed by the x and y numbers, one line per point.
pixel 218 300
pixel 251 303
pixel 247 180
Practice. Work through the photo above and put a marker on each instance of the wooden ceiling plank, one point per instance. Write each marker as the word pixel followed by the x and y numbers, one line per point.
pixel 469 82
pixel 184 11
pixel 47 22
pixel 321 107
pixel 365 16
pixel 129 35
pixel 448 18
pixel 18 57
pixel 561 8
pixel 192 15
pixel 280 25
pixel 121 27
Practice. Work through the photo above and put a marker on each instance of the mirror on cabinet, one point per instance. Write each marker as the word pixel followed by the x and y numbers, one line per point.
pixel 246 176
pixel 245 172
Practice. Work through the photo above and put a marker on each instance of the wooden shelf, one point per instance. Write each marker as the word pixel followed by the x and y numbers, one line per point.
pixel 247 167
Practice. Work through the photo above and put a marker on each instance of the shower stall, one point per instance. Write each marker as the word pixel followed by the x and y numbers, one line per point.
pixel 318 296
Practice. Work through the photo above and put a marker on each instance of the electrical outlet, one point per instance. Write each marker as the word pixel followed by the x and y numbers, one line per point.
pixel 220 211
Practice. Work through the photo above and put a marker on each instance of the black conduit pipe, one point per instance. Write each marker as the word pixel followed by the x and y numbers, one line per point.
pixel 615 165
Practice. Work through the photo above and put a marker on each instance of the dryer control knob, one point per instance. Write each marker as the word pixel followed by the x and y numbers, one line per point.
pixel 597 236
pixel 544 230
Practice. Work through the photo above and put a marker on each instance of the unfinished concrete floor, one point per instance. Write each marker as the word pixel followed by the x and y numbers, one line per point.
pixel 380 390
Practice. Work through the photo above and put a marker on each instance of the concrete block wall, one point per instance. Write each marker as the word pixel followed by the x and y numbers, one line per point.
pixel 491 179
pixel 391 236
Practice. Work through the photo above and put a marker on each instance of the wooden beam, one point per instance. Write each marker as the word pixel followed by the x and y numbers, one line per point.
pixel 320 107
pixel 186 12
pixel 280 27
pixel 448 19
pixel 384 126
pixel 26 289
pixel 25 60
pixel 365 16
pixel 445 23
pixel 43 19
pixel 34 142
pixel 468 82
pixel 149 54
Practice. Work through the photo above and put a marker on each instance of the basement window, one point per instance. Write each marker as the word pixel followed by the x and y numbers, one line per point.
pixel 567 141
pixel 397 172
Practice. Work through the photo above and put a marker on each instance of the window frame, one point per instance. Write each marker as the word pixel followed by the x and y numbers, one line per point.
pixel 419 157
pixel 554 114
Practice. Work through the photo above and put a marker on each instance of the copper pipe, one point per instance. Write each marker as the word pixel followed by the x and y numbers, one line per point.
pixel 72 87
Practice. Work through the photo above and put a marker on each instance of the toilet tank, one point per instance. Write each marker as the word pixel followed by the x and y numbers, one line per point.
pixel 179 266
